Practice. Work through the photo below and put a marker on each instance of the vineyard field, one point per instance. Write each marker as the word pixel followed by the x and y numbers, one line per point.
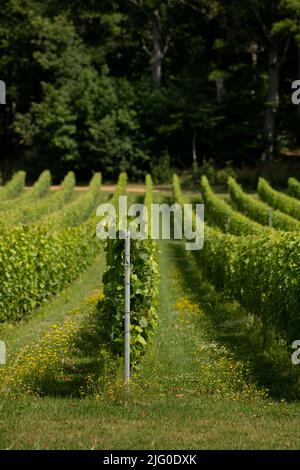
pixel 212 330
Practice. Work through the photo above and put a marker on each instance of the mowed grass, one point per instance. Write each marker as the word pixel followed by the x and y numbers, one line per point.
pixel 191 390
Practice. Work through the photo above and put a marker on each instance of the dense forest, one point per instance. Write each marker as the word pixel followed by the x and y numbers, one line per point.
pixel 139 85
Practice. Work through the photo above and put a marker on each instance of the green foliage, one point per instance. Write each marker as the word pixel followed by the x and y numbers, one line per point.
pixel 78 211
pixel 161 170
pixel 218 212
pixel 278 200
pixel 223 174
pixel 144 291
pixel 120 189
pixel 83 93
pixel 66 189
pixel 41 186
pixel 206 169
pixel 81 117
pixel 213 174
pixel 260 272
pixel 14 187
pixel 276 173
pixel 33 212
pixel 259 211
pixel 178 196
pixel 294 187
pixel 32 209
pixel 148 199
pixel 15 210
pixel 180 199
pixel 36 263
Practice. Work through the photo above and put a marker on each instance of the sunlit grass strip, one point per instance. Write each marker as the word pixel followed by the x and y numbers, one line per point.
pixel 219 371
pixel 40 363
pixel 259 211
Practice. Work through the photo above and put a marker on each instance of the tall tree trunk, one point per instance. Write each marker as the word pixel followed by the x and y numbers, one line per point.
pixel 253 49
pixel 220 87
pixel 271 105
pixel 4 133
pixel 2 92
pixel 194 149
pixel 157 51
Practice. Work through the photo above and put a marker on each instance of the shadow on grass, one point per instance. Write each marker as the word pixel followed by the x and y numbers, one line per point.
pixel 240 332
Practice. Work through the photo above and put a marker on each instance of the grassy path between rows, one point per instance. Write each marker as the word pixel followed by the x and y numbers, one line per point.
pixel 192 391
pixel 18 334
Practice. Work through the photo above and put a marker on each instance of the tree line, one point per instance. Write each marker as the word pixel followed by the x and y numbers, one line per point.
pixel 136 85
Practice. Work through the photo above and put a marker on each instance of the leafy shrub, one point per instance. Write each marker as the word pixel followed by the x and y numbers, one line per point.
pixel 36 263
pixel 144 291
pixel 177 190
pixel 260 211
pixel 217 211
pixel 294 187
pixel 223 174
pixel 161 171
pixel 260 272
pixel 206 169
pixel 276 172
pixel 77 212
pixel 14 210
pixel 41 186
pixel 67 187
pixel 36 211
pixel 120 189
pixel 278 200
pixel 30 210
pixel 14 187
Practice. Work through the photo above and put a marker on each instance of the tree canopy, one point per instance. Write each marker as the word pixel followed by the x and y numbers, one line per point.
pixel 118 85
